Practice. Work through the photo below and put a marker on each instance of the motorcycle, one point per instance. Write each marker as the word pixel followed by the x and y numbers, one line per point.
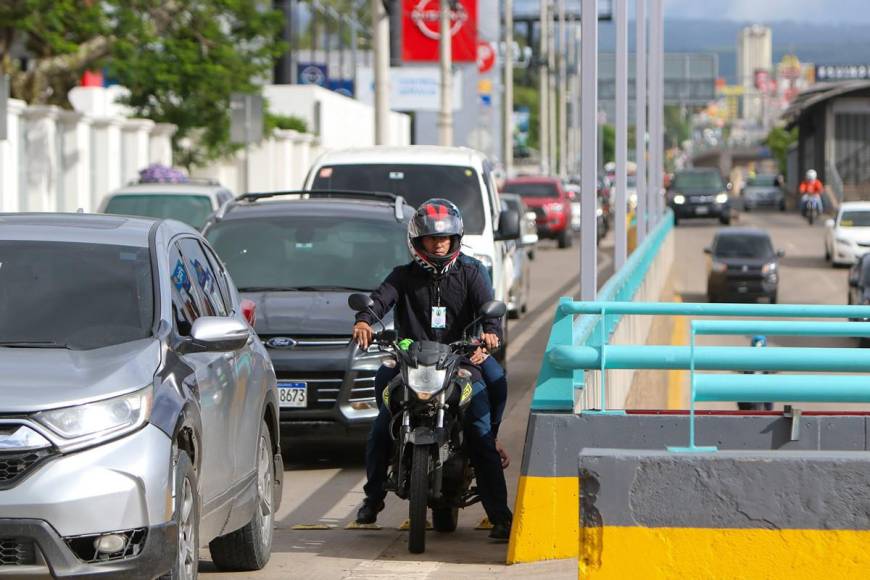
pixel 813 209
pixel 427 400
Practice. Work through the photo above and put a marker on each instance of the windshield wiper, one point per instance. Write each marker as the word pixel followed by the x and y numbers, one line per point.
pixel 32 344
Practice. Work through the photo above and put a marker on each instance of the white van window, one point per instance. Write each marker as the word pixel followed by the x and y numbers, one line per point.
pixel 416 183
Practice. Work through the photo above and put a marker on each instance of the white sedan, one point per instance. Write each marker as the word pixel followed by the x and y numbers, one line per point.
pixel 848 237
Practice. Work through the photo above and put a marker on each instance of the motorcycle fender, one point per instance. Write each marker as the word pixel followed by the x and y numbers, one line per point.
pixel 422 436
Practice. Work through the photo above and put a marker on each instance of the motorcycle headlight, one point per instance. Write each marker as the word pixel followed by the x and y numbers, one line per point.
pixel 679 199
pixel 722 198
pixel 100 420
pixel 426 380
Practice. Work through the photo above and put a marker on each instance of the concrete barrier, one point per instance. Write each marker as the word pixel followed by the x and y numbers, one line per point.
pixel 547 525
pixel 730 514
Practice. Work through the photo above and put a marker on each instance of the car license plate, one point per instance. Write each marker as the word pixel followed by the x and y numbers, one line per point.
pixel 702 210
pixel 292 394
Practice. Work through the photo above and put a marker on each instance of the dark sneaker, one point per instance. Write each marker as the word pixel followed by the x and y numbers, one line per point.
pixel 368 512
pixel 500 532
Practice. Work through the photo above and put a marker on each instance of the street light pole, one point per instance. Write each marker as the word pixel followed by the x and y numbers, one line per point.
pixel 508 104
pixel 445 112
pixel 589 158
pixel 553 105
pixel 563 94
pixel 621 245
pixel 381 28
pixel 543 91
pixel 656 64
pixel 640 127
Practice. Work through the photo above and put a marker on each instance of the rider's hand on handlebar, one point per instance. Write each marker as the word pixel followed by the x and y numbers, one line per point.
pixel 362 334
pixel 478 356
pixel 490 339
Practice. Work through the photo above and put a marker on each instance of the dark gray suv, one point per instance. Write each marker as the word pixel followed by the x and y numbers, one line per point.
pixel 298 256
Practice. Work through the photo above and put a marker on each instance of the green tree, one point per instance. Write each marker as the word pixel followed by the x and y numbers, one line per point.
pixel 180 59
pixel 779 140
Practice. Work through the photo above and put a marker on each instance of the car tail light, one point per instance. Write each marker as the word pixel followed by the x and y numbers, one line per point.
pixel 249 311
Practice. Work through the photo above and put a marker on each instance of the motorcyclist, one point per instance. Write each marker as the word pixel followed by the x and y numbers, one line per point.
pixel 761 342
pixel 435 297
pixel 811 189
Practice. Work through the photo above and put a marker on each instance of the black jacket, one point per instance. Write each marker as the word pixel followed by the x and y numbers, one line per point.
pixel 413 291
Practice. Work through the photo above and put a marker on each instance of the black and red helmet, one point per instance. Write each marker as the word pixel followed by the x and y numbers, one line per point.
pixel 440 218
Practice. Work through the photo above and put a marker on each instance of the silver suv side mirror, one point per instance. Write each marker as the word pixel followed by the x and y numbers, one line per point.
pixel 216 334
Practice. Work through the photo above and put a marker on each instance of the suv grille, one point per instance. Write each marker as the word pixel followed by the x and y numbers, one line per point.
pixel 17 552
pixel 16 465
pixel 324 387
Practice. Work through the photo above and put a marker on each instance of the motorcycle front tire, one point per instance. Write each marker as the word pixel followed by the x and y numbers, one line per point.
pixel 418 499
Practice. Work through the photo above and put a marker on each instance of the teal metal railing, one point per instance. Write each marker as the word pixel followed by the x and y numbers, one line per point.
pixel 565 358
pixel 553 391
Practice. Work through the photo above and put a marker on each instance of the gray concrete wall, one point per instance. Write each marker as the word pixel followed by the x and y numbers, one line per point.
pixel 568 435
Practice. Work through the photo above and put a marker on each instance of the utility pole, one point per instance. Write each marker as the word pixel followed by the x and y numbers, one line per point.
pixel 640 120
pixel 589 161
pixel 656 63
pixel 381 38
pixel 543 91
pixel 553 94
pixel 621 122
pixel 563 93
pixel 508 97
pixel 445 112
pixel 284 64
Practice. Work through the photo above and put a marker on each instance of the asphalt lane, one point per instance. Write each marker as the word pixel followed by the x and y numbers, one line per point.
pixel 323 485
pixel 805 278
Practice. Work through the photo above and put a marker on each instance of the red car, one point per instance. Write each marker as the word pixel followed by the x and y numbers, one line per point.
pixel 550 202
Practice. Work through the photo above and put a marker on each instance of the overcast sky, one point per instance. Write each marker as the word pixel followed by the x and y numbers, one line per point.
pixel 827 11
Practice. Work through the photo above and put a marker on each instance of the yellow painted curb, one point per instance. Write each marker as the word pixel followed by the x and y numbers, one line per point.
pixel 546 519
pixel 676 378
pixel 696 553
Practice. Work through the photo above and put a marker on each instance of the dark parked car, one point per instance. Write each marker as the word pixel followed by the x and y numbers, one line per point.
pixel 700 193
pixel 743 266
pixel 551 204
pixel 299 256
pixel 763 191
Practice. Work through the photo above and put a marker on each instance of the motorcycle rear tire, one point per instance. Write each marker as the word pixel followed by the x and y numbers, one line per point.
pixel 811 216
pixel 418 499
pixel 445 520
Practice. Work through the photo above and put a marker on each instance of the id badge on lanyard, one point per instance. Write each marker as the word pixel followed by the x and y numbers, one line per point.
pixel 439 313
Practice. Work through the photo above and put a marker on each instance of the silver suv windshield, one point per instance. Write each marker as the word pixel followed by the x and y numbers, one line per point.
pixel 73 295
pixel 416 183
pixel 307 253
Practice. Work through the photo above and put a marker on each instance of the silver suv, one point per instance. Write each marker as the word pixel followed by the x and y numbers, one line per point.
pixel 138 409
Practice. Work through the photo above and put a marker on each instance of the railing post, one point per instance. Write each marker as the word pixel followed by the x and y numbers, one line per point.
pixel 555 390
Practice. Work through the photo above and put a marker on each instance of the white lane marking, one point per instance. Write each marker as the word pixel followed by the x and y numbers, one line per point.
pixel 380 569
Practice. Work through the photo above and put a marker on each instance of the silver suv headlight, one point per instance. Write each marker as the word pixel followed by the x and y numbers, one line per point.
pixel 101 420
pixel 426 380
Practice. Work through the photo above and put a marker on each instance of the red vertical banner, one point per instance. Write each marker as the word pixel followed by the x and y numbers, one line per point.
pixel 421 30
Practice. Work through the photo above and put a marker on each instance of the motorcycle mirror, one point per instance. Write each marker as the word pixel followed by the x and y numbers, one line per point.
pixel 360 302
pixel 493 309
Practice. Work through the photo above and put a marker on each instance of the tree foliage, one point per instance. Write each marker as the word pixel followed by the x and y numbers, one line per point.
pixel 180 59
pixel 778 141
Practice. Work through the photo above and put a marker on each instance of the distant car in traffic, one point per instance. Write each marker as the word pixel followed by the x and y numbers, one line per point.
pixel 550 201
pixel 138 410
pixel 763 190
pixel 522 251
pixel 190 202
pixel 743 266
pixel 847 237
pixel 298 256
pixel 700 193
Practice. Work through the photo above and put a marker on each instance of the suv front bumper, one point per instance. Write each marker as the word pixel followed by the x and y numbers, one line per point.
pixel 116 486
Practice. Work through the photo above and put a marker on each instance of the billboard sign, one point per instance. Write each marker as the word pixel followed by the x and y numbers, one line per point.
pixel 412 88
pixel 310 73
pixel 842 72
pixel 421 30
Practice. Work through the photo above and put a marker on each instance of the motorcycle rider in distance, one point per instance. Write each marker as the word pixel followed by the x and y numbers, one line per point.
pixel 811 190
pixel 435 297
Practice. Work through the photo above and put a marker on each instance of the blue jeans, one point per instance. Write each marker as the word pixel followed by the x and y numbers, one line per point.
pixel 479 433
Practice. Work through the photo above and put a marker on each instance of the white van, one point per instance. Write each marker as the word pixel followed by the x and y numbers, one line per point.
pixel 420 172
